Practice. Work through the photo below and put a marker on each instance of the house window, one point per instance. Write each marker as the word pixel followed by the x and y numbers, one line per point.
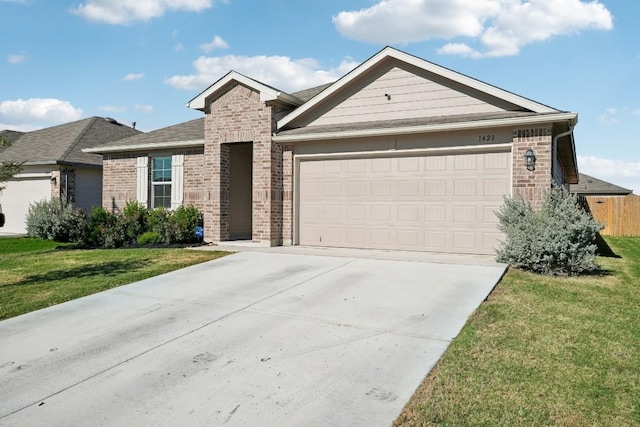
pixel 161 182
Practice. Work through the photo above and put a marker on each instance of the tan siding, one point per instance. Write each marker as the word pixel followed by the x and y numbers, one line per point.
pixel 410 96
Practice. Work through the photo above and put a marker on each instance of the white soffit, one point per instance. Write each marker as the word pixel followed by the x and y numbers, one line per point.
pixel 389 52
pixel 146 146
pixel 266 93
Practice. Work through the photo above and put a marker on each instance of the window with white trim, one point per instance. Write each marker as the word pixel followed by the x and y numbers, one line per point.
pixel 161 182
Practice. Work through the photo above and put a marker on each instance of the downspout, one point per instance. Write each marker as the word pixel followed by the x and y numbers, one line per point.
pixel 554 146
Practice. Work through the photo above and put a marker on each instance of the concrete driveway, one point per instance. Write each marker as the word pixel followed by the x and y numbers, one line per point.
pixel 309 338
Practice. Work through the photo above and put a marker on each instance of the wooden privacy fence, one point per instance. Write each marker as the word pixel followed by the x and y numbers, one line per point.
pixel 620 215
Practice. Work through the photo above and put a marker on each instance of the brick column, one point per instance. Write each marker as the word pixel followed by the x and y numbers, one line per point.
pixel 217 179
pixel 532 185
pixel 287 195
pixel 238 115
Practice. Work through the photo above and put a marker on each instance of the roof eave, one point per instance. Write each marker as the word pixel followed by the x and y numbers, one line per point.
pixel 145 146
pixel 442 127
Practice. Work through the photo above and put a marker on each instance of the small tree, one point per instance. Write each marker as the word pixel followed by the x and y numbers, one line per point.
pixel 7 169
pixel 557 239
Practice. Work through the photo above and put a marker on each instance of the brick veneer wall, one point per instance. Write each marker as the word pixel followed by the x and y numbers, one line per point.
pixel 287 194
pixel 239 116
pixel 532 184
pixel 119 178
pixel 194 191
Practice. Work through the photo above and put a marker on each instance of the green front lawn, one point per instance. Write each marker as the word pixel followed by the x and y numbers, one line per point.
pixel 544 351
pixel 38 273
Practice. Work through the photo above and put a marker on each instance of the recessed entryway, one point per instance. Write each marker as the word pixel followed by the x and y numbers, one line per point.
pixel 240 198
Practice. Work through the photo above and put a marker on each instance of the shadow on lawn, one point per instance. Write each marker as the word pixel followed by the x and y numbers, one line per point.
pixel 604 249
pixel 111 268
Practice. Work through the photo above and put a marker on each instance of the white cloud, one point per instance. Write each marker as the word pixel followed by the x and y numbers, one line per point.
pixel 179 47
pixel 216 43
pixel 459 49
pixel 133 76
pixel 124 12
pixel 16 58
pixel 619 172
pixel 112 108
pixel 144 108
pixel 502 27
pixel 612 115
pixel 279 71
pixel 174 33
pixel 36 113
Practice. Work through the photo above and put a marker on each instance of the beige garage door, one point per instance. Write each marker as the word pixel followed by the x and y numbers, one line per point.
pixel 440 203
pixel 15 200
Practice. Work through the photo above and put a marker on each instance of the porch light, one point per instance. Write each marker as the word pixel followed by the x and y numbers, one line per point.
pixel 530 160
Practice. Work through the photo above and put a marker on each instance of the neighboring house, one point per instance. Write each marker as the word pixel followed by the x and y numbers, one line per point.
pixel 400 153
pixel 54 165
pixel 590 186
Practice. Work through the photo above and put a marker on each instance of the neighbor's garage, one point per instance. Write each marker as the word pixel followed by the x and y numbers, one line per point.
pixel 440 203
pixel 17 196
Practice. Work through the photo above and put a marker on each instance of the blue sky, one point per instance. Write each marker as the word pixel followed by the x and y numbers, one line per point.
pixel 142 60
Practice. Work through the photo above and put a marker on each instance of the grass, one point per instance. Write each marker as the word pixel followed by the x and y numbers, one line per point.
pixel 544 351
pixel 37 273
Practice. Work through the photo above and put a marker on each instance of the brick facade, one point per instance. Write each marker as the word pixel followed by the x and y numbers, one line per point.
pixel 287 194
pixel 532 185
pixel 119 177
pixel 119 180
pixel 239 116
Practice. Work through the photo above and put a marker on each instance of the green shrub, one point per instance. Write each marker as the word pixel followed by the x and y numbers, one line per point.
pixel 57 220
pixel 107 229
pixel 136 218
pixel 160 223
pixel 557 239
pixel 148 238
pixel 185 220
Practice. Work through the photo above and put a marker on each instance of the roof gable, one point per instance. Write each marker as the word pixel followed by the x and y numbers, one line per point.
pixel 267 93
pixel 390 61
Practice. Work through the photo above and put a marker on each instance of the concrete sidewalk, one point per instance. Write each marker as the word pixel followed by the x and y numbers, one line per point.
pixel 254 338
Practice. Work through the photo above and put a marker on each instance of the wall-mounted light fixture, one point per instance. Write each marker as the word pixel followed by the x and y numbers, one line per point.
pixel 530 159
pixel 53 180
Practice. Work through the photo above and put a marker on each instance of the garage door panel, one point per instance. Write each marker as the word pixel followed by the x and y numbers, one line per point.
pixel 16 198
pixel 380 238
pixel 443 203
pixel 380 213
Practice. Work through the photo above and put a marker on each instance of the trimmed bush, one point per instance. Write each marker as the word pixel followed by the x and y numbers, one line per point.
pixel 558 239
pixel 56 220
pixel 107 229
pixel 160 223
pixel 136 218
pixel 185 220
pixel 148 238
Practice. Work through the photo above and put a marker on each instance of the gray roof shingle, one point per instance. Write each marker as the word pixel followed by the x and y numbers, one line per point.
pixel 590 186
pixel 64 143
pixel 188 131
pixel 306 94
